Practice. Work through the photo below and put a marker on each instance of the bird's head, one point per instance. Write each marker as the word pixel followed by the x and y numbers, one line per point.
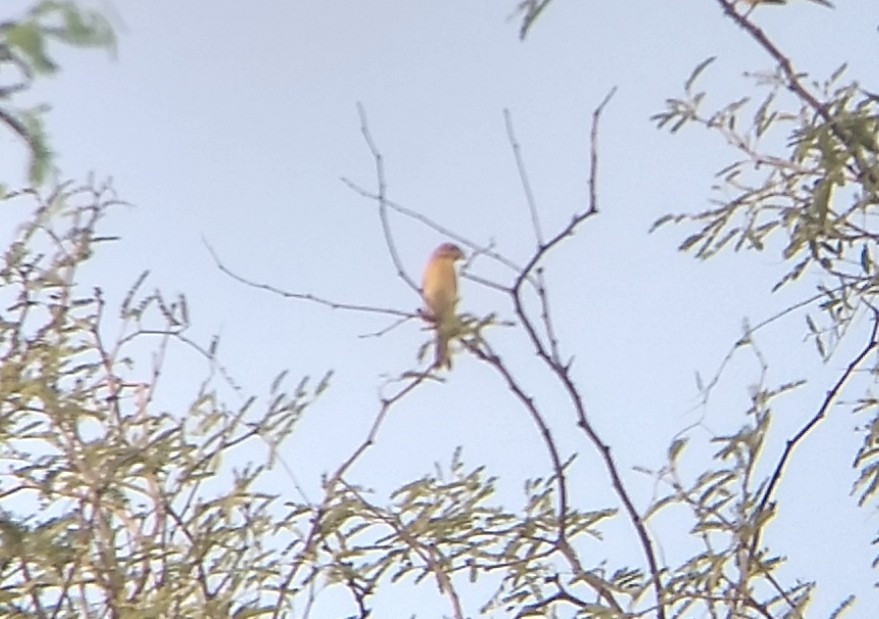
pixel 448 251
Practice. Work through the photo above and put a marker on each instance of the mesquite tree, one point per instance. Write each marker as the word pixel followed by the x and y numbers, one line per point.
pixel 113 505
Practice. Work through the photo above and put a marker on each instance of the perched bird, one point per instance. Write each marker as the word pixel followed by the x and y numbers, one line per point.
pixel 439 288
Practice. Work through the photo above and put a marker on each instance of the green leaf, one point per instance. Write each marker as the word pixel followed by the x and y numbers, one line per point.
pixel 689 242
pixel 821 201
pixel 698 70
pixel 79 28
pixel 41 155
pixel 675 448
pixel 27 37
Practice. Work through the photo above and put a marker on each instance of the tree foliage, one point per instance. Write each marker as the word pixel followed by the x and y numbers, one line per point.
pixel 114 505
pixel 812 198
pixel 26 54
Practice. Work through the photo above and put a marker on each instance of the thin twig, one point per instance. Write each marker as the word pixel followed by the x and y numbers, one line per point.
pixel 523 176
pixel 303 296
pixel 593 150
pixel 382 199
pixel 831 396
pixel 538 282
pixel 433 225
pixel 747 337
pixel 546 316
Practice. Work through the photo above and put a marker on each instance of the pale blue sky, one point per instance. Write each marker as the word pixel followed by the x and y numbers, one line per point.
pixel 235 125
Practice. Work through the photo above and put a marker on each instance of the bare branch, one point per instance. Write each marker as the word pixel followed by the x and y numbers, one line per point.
pixel 562 373
pixel 523 177
pixel 354 307
pixel 484 353
pixel 593 151
pixel 829 399
pixel 476 248
pixel 382 200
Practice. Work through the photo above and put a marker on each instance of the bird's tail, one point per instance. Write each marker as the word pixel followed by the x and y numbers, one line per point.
pixel 442 351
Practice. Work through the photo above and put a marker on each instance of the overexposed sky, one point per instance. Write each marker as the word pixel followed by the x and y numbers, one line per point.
pixel 234 122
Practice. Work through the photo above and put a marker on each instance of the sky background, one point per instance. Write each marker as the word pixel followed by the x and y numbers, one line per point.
pixel 235 125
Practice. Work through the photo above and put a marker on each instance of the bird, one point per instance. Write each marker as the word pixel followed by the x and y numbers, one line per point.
pixel 439 289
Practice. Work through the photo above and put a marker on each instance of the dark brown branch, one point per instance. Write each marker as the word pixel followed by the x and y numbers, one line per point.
pixel 593 150
pixel 546 316
pixel 578 218
pixel 485 354
pixel 562 372
pixel 831 396
pixel 793 81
